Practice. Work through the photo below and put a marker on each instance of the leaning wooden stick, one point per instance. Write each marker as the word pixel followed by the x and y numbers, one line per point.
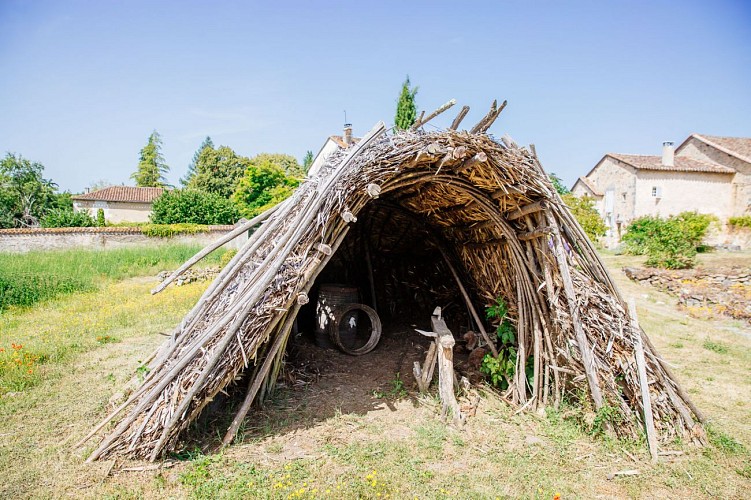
pixel 641 366
pixel 432 115
pixel 245 227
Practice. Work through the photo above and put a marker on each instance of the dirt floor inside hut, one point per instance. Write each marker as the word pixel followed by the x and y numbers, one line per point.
pixel 355 427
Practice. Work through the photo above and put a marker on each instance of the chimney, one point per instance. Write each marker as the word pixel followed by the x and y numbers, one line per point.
pixel 348 133
pixel 668 154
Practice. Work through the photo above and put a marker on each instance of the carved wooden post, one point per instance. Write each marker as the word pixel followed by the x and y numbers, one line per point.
pixel 444 348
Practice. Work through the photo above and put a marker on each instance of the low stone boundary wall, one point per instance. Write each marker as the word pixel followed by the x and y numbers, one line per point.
pixel 26 240
pixel 701 292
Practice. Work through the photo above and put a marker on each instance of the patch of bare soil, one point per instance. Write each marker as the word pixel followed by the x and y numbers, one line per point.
pixel 704 292
pixel 319 383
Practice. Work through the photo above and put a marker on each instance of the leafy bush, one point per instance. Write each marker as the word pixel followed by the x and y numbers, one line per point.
pixel 741 221
pixel 194 207
pixel 501 370
pixel 61 217
pixel 583 209
pixel 639 232
pixel 670 243
pixel 100 218
pixel 170 230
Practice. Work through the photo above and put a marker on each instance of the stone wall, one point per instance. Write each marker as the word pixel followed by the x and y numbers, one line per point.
pixel 703 292
pixel 25 240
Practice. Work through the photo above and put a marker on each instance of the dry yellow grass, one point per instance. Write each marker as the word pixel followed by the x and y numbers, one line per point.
pixel 399 449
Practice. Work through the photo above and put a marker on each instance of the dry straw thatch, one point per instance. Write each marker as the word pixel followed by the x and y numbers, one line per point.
pixel 510 236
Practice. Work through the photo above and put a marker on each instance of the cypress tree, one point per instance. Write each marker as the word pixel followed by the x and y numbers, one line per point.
pixel 406 109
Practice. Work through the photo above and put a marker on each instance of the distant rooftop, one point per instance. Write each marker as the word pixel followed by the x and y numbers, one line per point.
pixel 681 164
pixel 123 193
pixel 740 147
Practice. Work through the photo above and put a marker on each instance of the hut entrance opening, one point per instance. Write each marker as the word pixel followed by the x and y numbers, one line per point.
pixel 390 262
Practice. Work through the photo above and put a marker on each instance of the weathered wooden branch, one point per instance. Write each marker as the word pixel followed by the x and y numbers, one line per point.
pixel 526 210
pixel 641 366
pixel 244 228
pixel 459 117
pixel 419 123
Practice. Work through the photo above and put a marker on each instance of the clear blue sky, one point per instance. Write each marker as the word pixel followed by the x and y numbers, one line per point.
pixel 83 83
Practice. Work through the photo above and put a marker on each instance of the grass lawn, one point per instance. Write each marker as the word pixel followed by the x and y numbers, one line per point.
pixel 26 279
pixel 398 448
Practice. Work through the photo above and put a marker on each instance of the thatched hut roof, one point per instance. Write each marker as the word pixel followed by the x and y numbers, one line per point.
pixel 503 226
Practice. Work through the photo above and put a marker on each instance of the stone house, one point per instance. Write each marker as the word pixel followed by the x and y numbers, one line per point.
pixel 332 144
pixel 708 174
pixel 120 203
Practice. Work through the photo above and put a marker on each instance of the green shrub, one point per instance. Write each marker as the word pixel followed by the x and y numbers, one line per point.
pixel 583 209
pixel 501 370
pixel 671 243
pixel 741 221
pixel 170 230
pixel 100 218
pixel 193 207
pixel 61 217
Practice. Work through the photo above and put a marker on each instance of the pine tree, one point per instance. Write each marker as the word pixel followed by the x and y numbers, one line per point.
pixel 307 161
pixel 406 109
pixel 151 165
pixel 207 143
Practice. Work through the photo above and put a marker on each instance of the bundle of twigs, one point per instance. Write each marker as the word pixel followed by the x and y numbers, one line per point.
pixel 510 236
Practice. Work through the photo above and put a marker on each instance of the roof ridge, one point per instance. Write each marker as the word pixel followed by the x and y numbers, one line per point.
pixel 723 148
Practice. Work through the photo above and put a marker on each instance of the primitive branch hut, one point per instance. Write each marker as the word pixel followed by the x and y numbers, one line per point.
pixel 479 218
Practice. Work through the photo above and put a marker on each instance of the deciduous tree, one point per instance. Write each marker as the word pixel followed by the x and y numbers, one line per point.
pixel 218 170
pixel 558 184
pixel 25 196
pixel 266 182
pixel 584 210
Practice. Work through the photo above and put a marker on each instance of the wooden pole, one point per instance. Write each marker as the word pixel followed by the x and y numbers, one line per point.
pixel 470 306
pixel 444 107
pixel 641 366
pixel 371 278
pixel 581 338
pixel 247 226
pixel 445 341
pixel 280 340
pixel 458 120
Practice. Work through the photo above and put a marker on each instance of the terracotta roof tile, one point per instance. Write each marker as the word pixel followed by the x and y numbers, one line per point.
pixel 682 164
pixel 123 193
pixel 740 147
